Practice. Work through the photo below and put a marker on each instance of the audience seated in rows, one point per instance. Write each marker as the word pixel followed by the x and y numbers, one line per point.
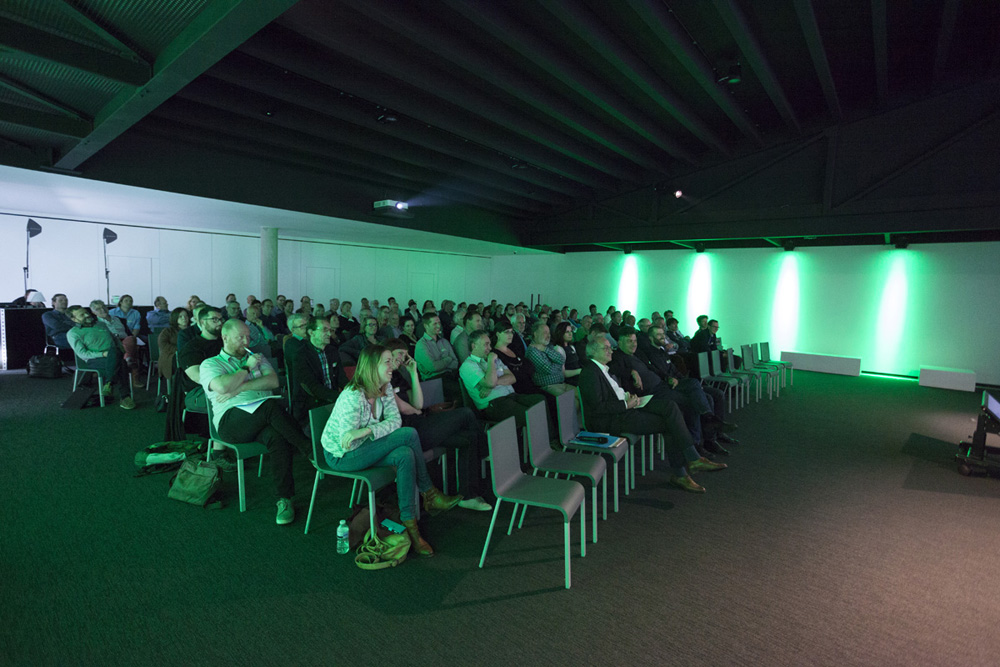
pixel 610 409
pixel 436 357
pixel 126 335
pixel 313 370
pixel 548 361
pixel 167 341
pixel 159 316
pixel 490 384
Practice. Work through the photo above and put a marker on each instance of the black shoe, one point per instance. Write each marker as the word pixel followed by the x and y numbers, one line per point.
pixel 714 447
pixel 704 453
pixel 726 440
pixel 720 425
pixel 224 460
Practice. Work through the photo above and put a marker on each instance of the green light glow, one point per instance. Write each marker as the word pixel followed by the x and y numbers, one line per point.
pixel 628 286
pixel 699 298
pixel 785 307
pixel 891 321
pixel 886 376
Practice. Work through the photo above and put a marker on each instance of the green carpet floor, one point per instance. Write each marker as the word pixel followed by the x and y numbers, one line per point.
pixel 841 535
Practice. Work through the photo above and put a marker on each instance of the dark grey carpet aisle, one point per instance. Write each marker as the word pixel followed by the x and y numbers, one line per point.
pixel 841 535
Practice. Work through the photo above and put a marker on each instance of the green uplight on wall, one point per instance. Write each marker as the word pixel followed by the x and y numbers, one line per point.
pixel 891 320
pixel 628 285
pixel 699 298
pixel 785 307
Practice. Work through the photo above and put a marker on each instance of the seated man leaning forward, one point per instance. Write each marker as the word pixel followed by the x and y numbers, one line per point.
pixel 239 386
pixel 490 383
pixel 610 409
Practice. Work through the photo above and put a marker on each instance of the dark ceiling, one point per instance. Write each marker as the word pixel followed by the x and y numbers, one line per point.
pixel 560 124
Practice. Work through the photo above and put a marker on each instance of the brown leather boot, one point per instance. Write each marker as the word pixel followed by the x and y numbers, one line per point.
pixel 436 502
pixel 417 542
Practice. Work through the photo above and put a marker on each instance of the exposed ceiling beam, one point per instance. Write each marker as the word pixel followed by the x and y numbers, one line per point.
pixel 331 132
pixel 452 46
pixel 753 54
pixel 810 29
pixel 284 47
pixel 218 29
pixel 880 41
pixel 910 164
pixel 40 98
pixel 949 16
pixel 615 51
pixel 983 218
pixel 34 42
pixel 668 30
pixel 773 242
pixel 254 130
pixel 115 41
pixel 65 126
pixel 355 42
pixel 308 162
pixel 500 23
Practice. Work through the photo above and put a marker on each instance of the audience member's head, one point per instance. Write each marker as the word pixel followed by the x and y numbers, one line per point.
pixel 233 310
pixel 297 324
pixel 563 334
pixel 230 297
pixel 672 324
pixel 160 303
pixel 59 302
pixel 267 307
pixel 235 337
pixel 599 349
pixel 627 340
pixel 334 305
pixel 192 302
pixel 319 332
pixel 644 324
pixel 345 309
pixel 702 321
pixel 479 343
pixel 98 308
pixel 657 336
pixel 80 315
pixel 180 318
pixel 432 324
pixel 250 299
pixel 210 322
pixel 373 371
pixel 519 322
pixel 540 334
pixel 473 322
pixel 289 307
pixel 408 325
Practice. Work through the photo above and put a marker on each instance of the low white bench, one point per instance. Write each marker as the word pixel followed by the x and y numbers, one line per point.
pixel 823 363
pixel 947 378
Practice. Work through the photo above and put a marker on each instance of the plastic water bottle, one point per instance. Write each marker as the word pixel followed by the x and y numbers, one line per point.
pixel 343 545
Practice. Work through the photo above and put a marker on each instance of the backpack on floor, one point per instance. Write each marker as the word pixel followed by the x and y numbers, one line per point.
pixel 197 483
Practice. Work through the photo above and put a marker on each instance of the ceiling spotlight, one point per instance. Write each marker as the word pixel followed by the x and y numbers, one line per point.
pixel 383 115
pixel 729 71
pixel 678 194
pixel 699 247
pixel 902 242
pixel 788 245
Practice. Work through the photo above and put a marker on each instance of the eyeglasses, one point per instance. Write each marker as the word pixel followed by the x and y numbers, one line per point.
pixel 213 319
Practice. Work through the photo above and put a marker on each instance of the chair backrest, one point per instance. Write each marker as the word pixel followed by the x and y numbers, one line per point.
pixel 349 372
pixel 583 414
pixel 753 354
pixel 154 347
pixel 505 464
pixel 567 416
pixel 212 433
pixel 747 356
pixel 433 391
pixel 715 362
pixel 703 369
pixel 765 352
pixel 318 417
pixel 538 433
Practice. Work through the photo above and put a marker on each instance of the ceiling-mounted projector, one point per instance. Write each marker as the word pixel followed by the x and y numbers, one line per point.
pixel 392 208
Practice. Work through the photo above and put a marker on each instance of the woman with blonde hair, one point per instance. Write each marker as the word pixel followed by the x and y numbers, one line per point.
pixel 365 430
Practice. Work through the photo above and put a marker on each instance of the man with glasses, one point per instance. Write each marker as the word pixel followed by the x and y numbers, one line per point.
pixel 313 366
pixel 207 344
pixel 707 340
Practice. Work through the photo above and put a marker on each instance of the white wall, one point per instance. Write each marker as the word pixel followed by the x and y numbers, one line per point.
pixel 896 309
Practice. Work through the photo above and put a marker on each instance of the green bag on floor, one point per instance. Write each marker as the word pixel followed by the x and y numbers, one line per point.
pixel 197 483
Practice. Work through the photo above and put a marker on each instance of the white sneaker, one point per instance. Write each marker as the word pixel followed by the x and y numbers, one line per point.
pixel 476 504
pixel 286 512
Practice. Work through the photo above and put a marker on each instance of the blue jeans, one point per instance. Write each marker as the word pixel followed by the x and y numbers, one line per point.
pixel 401 450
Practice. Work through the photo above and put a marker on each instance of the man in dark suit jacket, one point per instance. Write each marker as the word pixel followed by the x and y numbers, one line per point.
pixel 313 368
pixel 609 409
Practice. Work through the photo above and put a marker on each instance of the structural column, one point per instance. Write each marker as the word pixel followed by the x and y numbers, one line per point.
pixel 268 263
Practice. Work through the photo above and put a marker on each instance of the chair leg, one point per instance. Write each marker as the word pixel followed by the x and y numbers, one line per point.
pixel 260 466
pixel 583 528
pixel 239 475
pixel 444 472
pixel 617 484
pixel 631 484
pixel 489 534
pixel 566 550
pixel 604 486
pixel 100 389
pixel 371 509
pixel 510 528
pixel 312 501
pixel 642 446
pixel 354 489
pixel 593 506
